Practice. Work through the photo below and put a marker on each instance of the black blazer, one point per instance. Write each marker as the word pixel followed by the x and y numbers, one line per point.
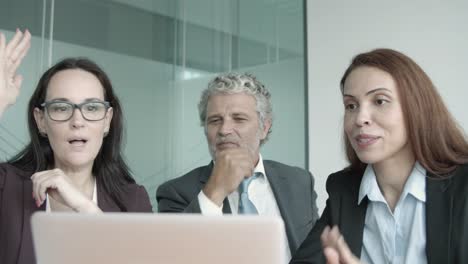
pixel 446 217
pixel 292 187
pixel 17 206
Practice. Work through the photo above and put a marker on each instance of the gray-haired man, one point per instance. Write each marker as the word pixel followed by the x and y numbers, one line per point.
pixel 235 111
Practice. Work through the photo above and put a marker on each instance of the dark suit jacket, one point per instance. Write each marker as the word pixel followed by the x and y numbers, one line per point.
pixel 292 187
pixel 446 217
pixel 17 206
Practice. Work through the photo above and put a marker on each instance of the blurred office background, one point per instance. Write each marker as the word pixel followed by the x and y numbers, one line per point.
pixel 159 55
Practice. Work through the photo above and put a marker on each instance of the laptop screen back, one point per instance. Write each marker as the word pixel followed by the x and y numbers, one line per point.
pixel 119 238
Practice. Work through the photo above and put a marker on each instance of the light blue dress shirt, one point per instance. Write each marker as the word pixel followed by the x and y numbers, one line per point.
pixel 398 237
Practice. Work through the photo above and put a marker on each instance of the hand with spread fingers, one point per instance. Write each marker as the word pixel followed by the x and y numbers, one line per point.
pixel 58 186
pixel 335 249
pixel 11 55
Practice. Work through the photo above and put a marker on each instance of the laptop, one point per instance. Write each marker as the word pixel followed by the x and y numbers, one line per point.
pixel 138 238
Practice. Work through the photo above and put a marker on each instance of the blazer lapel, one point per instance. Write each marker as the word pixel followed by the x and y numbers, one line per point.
pixel 439 204
pixel 279 185
pixel 352 222
pixel 104 201
pixel 353 215
pixel 204 176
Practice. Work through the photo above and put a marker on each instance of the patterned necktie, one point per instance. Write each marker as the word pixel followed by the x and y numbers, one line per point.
pixel 245 205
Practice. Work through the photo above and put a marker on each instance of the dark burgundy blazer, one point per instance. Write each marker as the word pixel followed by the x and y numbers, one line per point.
pixel 17 206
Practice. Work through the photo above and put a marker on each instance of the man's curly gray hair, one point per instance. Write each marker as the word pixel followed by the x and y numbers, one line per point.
pixel 235 83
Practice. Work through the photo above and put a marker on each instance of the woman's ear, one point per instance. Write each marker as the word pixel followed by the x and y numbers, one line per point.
pixel 108 119
pixel 40 120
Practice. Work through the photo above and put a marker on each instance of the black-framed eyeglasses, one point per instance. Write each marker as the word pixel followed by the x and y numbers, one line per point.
pixel 63 110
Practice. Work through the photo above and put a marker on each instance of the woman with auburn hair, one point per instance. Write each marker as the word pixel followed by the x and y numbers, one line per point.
pixel 404 196
pixel 74 160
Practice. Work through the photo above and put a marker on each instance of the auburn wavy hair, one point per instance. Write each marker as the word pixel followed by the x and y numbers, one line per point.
pixel 438 142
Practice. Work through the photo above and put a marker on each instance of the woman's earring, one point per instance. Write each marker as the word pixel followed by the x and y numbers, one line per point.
pixel 43 134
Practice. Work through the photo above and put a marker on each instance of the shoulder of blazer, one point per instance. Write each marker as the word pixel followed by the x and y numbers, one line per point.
pixel 8 169
pixel 344 181
pixel 457 181
pixel 281 167
pixel 2 176
pixel 190 180
pixel 461 178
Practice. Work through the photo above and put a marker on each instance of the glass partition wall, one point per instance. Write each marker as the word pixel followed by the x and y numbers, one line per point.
pixel 160 55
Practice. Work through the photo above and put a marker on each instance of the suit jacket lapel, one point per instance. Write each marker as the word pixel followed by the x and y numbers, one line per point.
pixel 439 204
pixel 104 201
pixel 204 176
pixel 352 216
pixel 279 185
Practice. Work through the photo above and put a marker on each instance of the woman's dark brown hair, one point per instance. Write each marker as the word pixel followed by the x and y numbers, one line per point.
pixel 109 167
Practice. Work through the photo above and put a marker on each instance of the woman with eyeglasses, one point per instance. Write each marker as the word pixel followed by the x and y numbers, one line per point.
pixel 404 196
pixel 74 161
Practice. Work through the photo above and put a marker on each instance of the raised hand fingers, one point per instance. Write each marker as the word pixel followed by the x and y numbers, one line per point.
pixel 345 253
pixel 17 81
pixel 14 42
pixel 17 57
pixel 19 51
pixel 331 255
pixel 330 236
pixel 2 43
pixel 324 236
pixel 11 56
pixel 335 248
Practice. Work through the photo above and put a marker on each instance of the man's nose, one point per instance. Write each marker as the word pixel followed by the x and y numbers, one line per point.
pixel 226 127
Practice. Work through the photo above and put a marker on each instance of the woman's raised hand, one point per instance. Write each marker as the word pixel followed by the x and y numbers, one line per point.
pixel 11 55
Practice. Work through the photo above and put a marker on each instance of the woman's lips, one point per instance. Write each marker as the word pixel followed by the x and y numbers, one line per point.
pixel 365 140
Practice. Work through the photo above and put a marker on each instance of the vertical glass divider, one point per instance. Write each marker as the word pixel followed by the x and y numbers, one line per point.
pixel 51 31
pixel 44 13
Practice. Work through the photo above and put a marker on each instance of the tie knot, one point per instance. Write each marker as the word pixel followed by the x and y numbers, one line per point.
pixel 244 185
